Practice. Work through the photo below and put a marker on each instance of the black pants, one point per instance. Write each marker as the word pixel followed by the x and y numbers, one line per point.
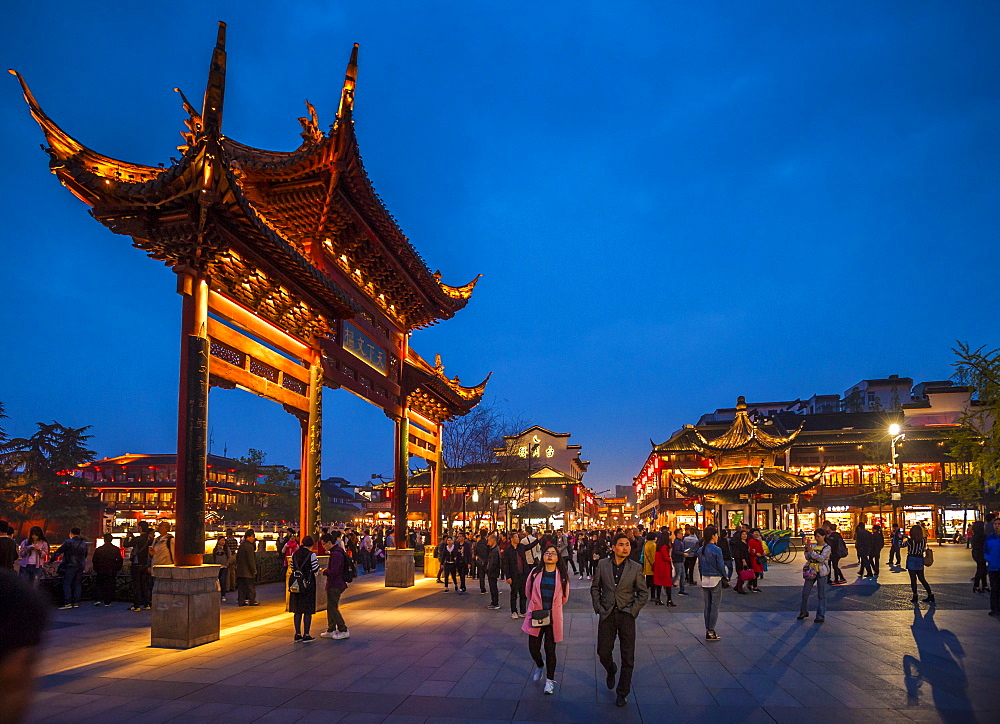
pixel 835 573
pixel 462 569
pixel 571 563
pixel 894 556
pixel 302 623
pixel 535 649
pixel 994 591
pixel 517 593
pixel 142 586
pixel 246 590
pixel 450 571
pixel 689 569
pixel 105 587
pixel 980 580
pixel 654 590
pixel 875 559
pixel 914 575
pixel 482 576
pixel 494 591
pixel 865 567
pixel 622 626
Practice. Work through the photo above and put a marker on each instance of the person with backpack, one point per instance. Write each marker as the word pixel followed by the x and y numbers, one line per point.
pixel 838 551
pixel 863 546
pixel 142 583
pixel 677 558
pixel 303 565
pixel 74 558
pixel 338 574
pixel 815 571
pixel 690 542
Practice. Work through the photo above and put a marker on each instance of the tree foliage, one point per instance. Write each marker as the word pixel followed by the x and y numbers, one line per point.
pixel 38 478
pixel 274 495
pixel 977 442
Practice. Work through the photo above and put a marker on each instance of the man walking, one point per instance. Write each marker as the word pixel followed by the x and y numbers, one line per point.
pixel 618 593
pixel 246 571
pixel 234 544
pixel 107 562
pixel 142 584
pixel 482 552
pixel 838 550
pixel 895 543
pixel 8 548
pixel 514 570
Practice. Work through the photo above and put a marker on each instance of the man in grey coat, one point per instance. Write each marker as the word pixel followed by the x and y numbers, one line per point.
pixel 618 592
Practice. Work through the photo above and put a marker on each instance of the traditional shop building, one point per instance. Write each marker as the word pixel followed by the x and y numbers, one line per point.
pixel 536 465
pixel 141 486
pixel 847 454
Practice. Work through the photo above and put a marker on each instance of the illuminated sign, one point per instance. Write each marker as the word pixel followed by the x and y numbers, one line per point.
pixel 364 348
pixel 836 509
pixel 550 500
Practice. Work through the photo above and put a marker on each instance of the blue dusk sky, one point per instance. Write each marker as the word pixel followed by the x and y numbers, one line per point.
pixel 672 204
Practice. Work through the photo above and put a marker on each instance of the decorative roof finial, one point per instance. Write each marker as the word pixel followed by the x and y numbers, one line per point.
pixel 741 403
pixel 350 80
pixel 215 90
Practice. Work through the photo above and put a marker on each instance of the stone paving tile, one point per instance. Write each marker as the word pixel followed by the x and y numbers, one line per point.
pixel 344 702
pixel 241 695
pixel 456 707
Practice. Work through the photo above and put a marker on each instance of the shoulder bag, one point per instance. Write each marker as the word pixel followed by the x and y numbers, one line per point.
pixel 928 557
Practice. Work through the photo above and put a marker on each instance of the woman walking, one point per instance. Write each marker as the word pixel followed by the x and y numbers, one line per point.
pixel 302 569
pixel 815 571
pixel 756 546
pixel 222 556
pixel 741 556
pixel 916 550
pixel 663 566
pixel 712 569
pixel 34 551
pixel 547 589
pixel 648 568
pixel 336 627
pixel 583 554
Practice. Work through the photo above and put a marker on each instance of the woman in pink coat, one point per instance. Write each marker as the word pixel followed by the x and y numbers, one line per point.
pixel 547 589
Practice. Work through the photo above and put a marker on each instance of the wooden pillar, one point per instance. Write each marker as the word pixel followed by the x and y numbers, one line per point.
pixel 437 470
pixel 312 444
pixel 192 420
pixel 402 471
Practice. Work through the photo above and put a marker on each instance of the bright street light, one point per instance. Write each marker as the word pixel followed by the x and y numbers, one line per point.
pixel 894 429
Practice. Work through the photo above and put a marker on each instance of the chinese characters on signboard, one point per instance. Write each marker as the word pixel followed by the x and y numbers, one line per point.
pixel 361 346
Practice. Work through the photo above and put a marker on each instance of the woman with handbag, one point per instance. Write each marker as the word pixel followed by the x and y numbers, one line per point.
pixel 741 555
pixel 302 569
pixel 816 570
pixel 663 566
pixel 547 589
pixel 756 546
pixel 712 573
pixel 918 556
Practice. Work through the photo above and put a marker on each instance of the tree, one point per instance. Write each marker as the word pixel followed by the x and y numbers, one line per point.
pixel 272 495
pixel 470 445
pixel 977 441
pixel 38 470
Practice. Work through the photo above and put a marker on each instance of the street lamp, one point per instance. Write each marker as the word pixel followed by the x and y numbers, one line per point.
pixel 896 434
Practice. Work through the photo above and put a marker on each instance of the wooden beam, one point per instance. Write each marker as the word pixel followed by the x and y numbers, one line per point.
pixel 257 326
pixel 257 385
pixel 428 438
pixel 429 455
pixel 229 336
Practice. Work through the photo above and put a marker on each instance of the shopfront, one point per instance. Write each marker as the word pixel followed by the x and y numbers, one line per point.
pixel 919 515
pixel 842 516
pixel 953 521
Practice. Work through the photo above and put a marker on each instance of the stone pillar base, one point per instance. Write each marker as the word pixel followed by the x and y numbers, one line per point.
pixel 185 606
pixel 431 564
pixel 324 561
pixel 399 567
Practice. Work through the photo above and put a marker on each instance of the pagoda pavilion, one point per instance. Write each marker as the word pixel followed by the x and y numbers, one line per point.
pixel 744 463
pixel 293 277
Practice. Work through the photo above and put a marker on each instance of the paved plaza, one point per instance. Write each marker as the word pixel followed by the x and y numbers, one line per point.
pixel 420 655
